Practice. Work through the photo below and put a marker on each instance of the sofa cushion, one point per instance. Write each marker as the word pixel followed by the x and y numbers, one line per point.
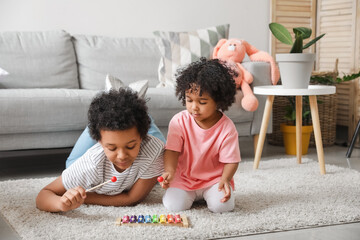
pixel 40 110
pixel 181 48
pixel 38 60
pixel 236 113
pixel 128 59
pixel 162 104
pixel 38 140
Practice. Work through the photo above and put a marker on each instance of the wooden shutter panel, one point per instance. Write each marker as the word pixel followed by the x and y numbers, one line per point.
pixel 340 21
pixel 292 13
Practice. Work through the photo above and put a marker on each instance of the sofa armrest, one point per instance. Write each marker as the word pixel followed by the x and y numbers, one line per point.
pixel 262 76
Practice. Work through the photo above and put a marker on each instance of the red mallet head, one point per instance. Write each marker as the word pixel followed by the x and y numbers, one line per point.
pixel 160 179
pixel 113 179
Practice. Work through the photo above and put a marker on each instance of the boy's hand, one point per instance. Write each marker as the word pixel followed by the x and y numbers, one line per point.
pixel 224 186
pixel 72 199
pixel 168 177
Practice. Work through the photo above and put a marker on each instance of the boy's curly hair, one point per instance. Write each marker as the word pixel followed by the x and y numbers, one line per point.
pixel 210 76
pixel 118 110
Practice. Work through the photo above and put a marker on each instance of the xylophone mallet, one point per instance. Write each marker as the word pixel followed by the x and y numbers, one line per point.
pixel 113 179
pixel 160 179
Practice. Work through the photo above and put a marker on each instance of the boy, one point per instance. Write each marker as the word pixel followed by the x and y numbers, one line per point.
pixel 119 121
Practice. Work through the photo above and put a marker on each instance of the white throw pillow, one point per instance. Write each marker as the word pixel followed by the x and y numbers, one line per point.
pixel 112 82
pixel 3 72
pixel 178 49
pixel 140 86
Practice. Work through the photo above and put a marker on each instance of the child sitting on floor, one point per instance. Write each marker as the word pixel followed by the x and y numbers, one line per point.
pixel 119 121
pixel 202 149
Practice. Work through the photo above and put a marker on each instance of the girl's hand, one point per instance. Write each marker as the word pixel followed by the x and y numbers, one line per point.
pixel 225 186
pixel 72 199
pixel 168 177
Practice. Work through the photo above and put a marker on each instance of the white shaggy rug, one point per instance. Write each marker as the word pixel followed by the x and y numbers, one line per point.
pixel 280 195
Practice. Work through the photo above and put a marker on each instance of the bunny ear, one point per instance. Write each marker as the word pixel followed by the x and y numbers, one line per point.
pixel 250 49
pixel 218 46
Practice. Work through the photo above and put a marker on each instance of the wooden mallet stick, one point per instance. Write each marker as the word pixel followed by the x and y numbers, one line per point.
pixel 113 179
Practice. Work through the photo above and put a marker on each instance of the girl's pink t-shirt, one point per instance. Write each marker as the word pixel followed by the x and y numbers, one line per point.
pixel 203 152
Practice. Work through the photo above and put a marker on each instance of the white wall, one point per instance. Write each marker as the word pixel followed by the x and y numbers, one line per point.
pixel 248 19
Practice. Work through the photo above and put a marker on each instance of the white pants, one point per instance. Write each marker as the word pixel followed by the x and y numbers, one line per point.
pixel 176 199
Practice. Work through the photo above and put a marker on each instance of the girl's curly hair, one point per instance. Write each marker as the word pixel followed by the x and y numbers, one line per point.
pixel 118 110
pixel 211 76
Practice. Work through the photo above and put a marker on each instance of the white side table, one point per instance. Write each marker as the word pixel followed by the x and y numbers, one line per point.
pixel 278 90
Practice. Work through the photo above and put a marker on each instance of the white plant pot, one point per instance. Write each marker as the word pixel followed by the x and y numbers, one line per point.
pixel 295 69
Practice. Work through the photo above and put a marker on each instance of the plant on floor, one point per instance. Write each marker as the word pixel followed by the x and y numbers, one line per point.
pixel 290 111
pixel 301 33
pixel 288 129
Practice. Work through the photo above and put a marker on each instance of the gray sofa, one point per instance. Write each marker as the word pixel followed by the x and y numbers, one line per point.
pixel 53 77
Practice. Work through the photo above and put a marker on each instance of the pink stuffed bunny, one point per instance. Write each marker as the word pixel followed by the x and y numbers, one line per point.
pixel 233 52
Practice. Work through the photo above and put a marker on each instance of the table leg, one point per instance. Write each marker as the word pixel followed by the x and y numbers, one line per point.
pixel 298 128
pixel 263 128
pixel 256 140
pixel 317 133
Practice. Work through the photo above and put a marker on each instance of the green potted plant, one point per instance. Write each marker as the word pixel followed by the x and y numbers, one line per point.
pixel 296 66
pixel 289 129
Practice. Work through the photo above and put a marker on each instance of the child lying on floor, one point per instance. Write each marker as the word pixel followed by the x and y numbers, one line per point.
pixel 119 121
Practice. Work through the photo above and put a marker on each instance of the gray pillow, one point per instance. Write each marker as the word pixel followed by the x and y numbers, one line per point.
pixel 43 59
pixel 129 59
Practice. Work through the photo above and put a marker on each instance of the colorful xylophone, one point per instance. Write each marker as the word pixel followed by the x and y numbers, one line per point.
pixel 162 220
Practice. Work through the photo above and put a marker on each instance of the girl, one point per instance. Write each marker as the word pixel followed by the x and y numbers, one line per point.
pixel 119 121
pixel 202 149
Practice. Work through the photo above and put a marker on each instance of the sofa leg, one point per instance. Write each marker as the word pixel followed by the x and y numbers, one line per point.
pixel 256 138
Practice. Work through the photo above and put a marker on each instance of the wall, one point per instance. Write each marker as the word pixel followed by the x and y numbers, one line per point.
pixel 248 19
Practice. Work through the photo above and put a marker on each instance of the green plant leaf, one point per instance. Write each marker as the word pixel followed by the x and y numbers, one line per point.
pixel 290 111
pixel 303 31
pixel 313 41
pixel 324 80
pixel 281 33
pixel 346 78
pixel 330 80
pixel 298 45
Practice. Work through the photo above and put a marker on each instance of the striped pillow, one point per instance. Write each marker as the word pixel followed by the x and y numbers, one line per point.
pixel 181 48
